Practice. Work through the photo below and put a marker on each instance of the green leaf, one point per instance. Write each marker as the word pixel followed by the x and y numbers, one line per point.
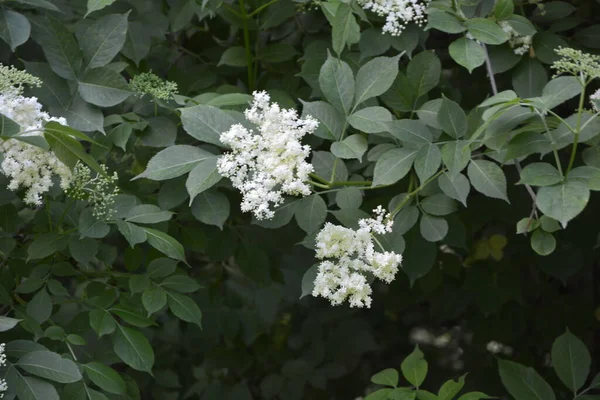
pixel 451 388
pixel 132 317
pixel 371 119
pixel 559 90
pixel 30 388
pixel 95 5
pixel 147 214
pixel 104 87
pixel 486 31
pixel 185 308
pixel 49 365
pixel 589 175
pixel 522 25
pixel 350 197
pixel 427 161
pixel 424 72
pixel 571 360
pixel 161 267
pixel 39 3
pixel 206 123
pixel 14 28
pixel 524 383
pixel 211 208
pixel 308 280
pixel 133 349
pixel 7 323
pixel 138 42
pixel 456 187
pixel 180 283
pixel 488 178
pixel 204 176
pixel 411 131
pixel 40 306
pixel 474 396
pixel 102 40
pixel 406 219
pixel 433 229
pixel 60 47
pixel 92 227
pixel 414 367
pixel 503 9
pixel 402 394
pixel 589 37
pixel 331 121
pixel 69 150
pixel 105 377
pixel 564 201
pixel 311 213
pixel 543 242
pixel 174 161
pixel 452 118
pixel 381 394
pixel 529 78
pixel 445 22
pixel 393 165
pixel 234 56
pixel 165 244
pixel 354 146
pixel 133 233
pixel 8 127
pixel 375 78
pixel 337 84
pixel 438 204
pixel 467 53
pixel 102 322
pixel 345 29
pixel 154 298
pixel 46 244
pixel 540 174
pixel 278 52
pixel 456 156
pixel 387 377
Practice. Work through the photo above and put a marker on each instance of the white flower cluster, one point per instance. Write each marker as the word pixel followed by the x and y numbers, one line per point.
pixel 519 43
pixel 497 347
pixel 29 166
pixel 595 100
pixel 354 251
pixel 3 385
pixel 398 13
pixel 269 163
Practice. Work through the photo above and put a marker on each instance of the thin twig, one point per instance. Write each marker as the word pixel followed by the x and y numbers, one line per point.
pixel 490 71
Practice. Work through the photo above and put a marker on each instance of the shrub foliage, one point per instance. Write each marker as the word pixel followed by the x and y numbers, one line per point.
pixel 275 199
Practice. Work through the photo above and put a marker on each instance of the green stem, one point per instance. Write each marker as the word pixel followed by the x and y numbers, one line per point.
pixel 259 9
pixel 577 130
pixel 320 185
pixel 64 213
pixel 49 216
pixel 554 150
pixel 249 59
pixel 319 178
pixel 410 195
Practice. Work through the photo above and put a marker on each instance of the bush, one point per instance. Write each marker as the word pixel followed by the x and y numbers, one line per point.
pixel 275 199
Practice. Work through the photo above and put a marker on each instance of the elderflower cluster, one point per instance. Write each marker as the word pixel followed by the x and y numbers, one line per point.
pixel 100 191
pixel 595 100
pixel 27 166
pixel 519 43
pixel 354 256
pixel 398 13
pixel 3 385
pixel 13 80
pixel 269 163
pixel 152 84
pixel 577 63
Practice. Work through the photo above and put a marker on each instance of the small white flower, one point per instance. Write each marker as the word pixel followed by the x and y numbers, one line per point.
pixel 29 166
pixel 271 162
pixel 519 43
pixel 398 13
pixel 595 100
pixel 354 254
pixel 3 385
